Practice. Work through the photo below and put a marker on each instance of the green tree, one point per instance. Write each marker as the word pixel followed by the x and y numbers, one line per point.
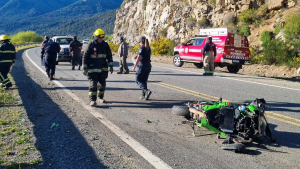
pixel 26 37
pixel 292 27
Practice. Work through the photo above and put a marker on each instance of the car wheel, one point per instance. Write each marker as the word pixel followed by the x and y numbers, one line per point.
pixel 233 68
pixel 181 110
pixel 199 65
pixel 176 61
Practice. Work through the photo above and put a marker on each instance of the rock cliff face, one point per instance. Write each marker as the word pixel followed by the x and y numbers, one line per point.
pixel 178 19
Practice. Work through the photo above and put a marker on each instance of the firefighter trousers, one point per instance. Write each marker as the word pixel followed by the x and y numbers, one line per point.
pixel 123 64
pixel 4 70
pixel 97 82
pixel 209 63
pixel 142 74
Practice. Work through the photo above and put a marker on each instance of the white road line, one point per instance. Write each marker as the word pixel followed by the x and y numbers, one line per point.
pixel 228 78
pixel 135 145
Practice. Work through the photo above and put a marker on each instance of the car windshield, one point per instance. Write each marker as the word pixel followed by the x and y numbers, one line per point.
pixel 64 40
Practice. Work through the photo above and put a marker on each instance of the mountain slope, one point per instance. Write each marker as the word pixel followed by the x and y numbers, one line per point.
pixel 53 17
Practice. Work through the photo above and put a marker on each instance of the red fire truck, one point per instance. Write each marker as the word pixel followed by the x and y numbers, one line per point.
pixel 232 49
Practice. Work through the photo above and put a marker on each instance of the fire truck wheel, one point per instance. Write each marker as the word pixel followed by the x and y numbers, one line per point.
pixel 233 68
pixel 181 110
pixel 176 61
pixel 199 65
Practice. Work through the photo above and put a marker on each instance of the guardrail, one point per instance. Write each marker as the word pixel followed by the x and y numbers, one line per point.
pixel 26 44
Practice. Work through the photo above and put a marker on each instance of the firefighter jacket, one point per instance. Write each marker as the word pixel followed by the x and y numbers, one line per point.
pixel 209 47
pixel 97 57
pixel 7 54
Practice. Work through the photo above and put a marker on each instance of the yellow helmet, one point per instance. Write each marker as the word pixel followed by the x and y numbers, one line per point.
pixel 4 37
pixel 99 33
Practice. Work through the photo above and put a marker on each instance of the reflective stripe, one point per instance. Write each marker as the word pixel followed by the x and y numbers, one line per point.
pixel 6 61
pixel 99 56
pixel 111 63
pixel 94 70
pixel 7 51
pixel 6 82
pixel 97 70
pixel 101 92
pixel 1 76
pixel 92 93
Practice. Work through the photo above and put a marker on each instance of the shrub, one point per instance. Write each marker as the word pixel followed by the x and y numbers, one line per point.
pixel 245 30
pixel 135 49
pixel 25 37
pixel 254 59
pixel 247 16
pixel 108 37
pixel 113 47
pixel 163 32
pixel 202 23
pixel 229 19
pixel 265 36
pixel 212 3
pixel 277 29
pixel 119 25
pixel 144 4
pixel 191 22
pixel 292 27
pixel 163 46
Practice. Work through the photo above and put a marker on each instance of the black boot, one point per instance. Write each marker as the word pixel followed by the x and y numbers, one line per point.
pixel 78 67
pixel 73 67
pixel 147 94
pixel 143 95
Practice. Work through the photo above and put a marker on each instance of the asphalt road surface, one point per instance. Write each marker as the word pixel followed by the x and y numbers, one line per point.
pixel 150 136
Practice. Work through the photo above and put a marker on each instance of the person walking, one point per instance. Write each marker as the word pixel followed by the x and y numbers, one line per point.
pixel 96 59
pixel 49 55
pixel 75 49
pixel 209 51
pixel 46 39
pixel 123 53
pixel 143 65
pixel 7 58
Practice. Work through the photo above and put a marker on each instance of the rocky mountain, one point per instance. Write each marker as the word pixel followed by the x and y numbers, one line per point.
pixel 180 19
pixel 45 17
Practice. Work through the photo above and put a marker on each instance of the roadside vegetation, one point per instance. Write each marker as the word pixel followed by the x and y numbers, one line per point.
pixel 16 146
pixel 26 37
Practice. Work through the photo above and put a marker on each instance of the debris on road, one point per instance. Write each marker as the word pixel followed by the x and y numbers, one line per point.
pixel 54 125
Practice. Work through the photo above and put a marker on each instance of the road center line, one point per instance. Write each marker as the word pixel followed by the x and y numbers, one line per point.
pixel 155 65
pixel 135 145
pixel 271 115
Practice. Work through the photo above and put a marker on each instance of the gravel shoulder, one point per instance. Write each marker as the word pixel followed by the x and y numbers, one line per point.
pixel 79 140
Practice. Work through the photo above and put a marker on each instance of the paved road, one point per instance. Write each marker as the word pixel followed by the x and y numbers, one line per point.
pixel 169 137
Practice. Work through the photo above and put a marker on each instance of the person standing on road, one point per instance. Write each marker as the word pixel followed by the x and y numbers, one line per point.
pixel 96 59
pixel 209 51
pixel 75 50
pixel 143 67
pixel 49 55
pixel 123 53
pixel 7 58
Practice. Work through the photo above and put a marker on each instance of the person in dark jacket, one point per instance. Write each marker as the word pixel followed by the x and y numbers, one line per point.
pixel 7 58
pixel 209 52
pixel 46 39
pixel 49 54
pixel 143 64
pixel 75 50
pixel 97 58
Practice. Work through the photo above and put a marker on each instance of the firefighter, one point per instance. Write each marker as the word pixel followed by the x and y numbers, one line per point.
pixel 97 58
pixel 209 51
pixel 143 67
pixel 75 49
pixel 123 53
pixel 49 55
pixel 7 58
